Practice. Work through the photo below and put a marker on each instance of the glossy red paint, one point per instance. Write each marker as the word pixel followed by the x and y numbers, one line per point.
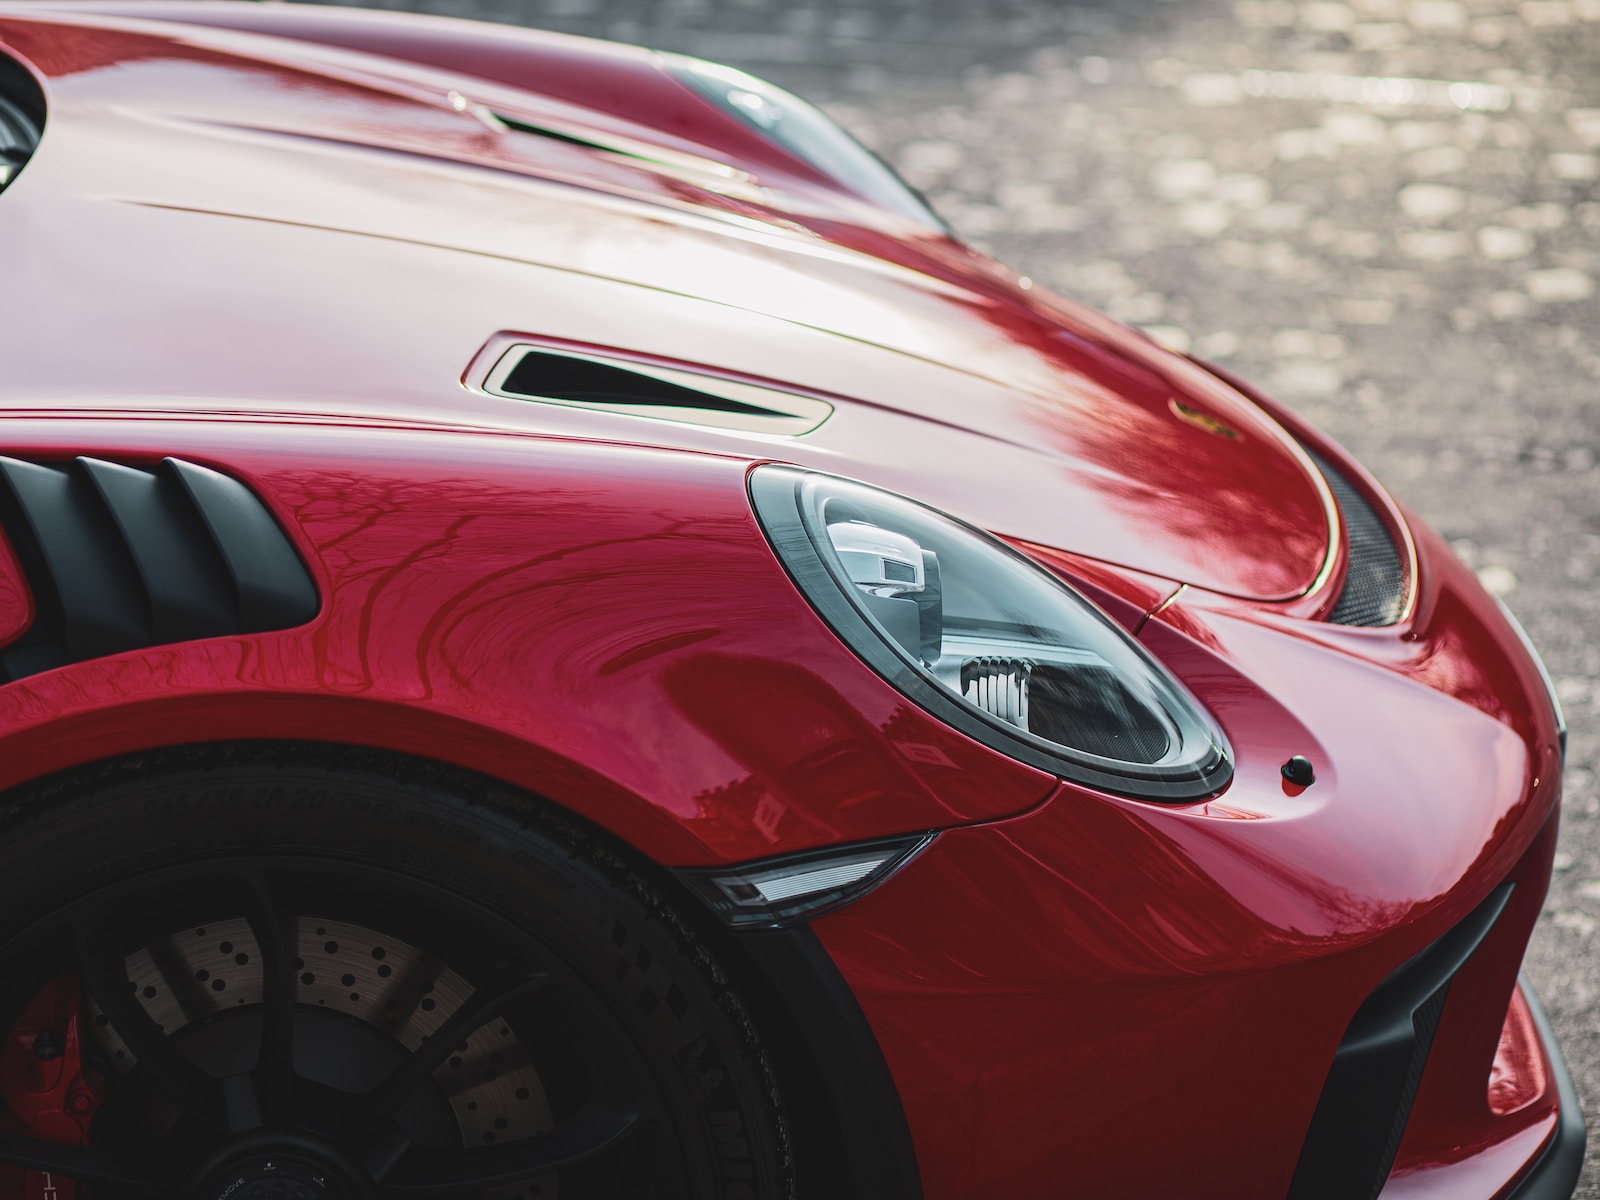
pixel 1015 976
pixel 601 86
pixel 50 1092
pixel 1317 603
pixel 604 626
pixel 309 199
pixel 329 253
pixel 1521 1072
pixel 1127 596
pixel 1065 1009
pixel 16 603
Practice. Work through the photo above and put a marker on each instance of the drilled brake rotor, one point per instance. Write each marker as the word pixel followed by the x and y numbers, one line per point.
pixel 193 976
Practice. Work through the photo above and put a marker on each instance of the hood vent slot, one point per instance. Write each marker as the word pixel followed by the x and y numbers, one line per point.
pixel 120 558
pixel 641 390
pixel 692 168
pixel 555 135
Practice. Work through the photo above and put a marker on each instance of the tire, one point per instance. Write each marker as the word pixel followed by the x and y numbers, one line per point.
pixel 596 1032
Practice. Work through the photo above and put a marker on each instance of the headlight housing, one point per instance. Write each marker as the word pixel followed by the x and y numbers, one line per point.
pixel 987 640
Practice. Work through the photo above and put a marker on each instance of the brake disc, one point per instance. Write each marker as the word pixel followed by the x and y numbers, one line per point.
pixel 195 975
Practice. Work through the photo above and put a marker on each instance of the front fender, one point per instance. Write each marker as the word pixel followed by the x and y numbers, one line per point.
pixel 602 625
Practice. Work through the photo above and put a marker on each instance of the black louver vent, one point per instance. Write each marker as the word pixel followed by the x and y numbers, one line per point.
pixel 1362 1112
pixel 119 558
pixel 1374 591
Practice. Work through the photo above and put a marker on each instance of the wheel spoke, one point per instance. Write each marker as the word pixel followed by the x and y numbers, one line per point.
pixel 585 1135
pixel 374 1133
pixel 276 937
pixel 79 1163
pixel 196 1095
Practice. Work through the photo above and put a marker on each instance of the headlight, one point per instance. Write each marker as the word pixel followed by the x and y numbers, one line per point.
pixel 987 640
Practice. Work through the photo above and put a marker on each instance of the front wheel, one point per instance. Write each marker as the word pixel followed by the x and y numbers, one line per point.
pixel 298 975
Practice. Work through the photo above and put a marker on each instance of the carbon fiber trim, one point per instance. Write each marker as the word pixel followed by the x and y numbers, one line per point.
pixel 1375 584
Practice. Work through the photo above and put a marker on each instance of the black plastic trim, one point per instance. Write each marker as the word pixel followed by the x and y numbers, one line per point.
pixel 177 564
pixel 20 88
pixel 774 494
pixel 1554 1175
pixel 275 590
pixel 1361 1115
pixel 103 607
pixel 867 1137
pixel 122 558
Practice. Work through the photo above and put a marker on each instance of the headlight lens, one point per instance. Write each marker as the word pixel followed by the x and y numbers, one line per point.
pixel 987 640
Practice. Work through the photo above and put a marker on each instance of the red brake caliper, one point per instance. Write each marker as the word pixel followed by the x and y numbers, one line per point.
pixel 48 1093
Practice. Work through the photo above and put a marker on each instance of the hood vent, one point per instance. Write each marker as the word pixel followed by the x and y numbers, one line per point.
pixel 641 390
pixel 702 172
pixel 121 558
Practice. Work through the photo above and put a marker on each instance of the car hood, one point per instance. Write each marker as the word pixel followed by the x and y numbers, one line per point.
pixel 231 223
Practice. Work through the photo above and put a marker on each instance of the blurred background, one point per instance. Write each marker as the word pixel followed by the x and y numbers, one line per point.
pixel 1386 212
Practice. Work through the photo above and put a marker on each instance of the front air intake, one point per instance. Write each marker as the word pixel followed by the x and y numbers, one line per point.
pixel 1361 1115
pixel 120 558
pixel 1374 591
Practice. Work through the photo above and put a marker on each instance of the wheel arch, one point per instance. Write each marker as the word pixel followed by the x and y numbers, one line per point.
pixel 848 1124
pixel 158 723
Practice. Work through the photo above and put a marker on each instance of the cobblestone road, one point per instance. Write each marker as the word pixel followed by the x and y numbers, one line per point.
pixel 1386 211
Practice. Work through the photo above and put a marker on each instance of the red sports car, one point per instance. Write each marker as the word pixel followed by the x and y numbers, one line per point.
pixel 562 637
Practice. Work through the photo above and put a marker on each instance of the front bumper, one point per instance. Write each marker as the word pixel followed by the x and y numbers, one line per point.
pixel 1108 997
pixel 1541 1161
pixel 1048 1029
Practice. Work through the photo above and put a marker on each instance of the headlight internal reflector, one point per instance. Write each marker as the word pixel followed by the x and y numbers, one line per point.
pixel 987 640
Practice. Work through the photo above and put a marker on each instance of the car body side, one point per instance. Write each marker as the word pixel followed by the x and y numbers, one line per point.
pixel 558 603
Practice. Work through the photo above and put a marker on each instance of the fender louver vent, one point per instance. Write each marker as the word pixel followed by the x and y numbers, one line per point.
pixel 645 390
pixel 120 558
